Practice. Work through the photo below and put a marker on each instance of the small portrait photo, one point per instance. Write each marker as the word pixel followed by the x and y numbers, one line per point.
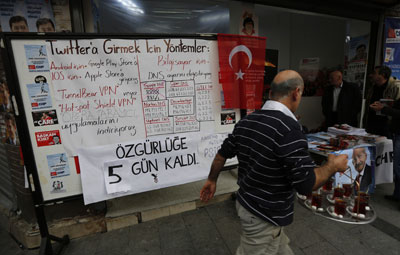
pixel 249 24
pixel 360 53
pixel 11 136
pixel 5 101
pixel 45 25
pixel 18 24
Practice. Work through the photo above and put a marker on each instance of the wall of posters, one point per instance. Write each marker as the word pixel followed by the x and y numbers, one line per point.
pixel 391 49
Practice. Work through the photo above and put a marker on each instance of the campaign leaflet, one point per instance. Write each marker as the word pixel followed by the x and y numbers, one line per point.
pixel 47 138
pixel 58 187
pixel 44 118
pixel 228 118
pixel 58 165
pixel 36 58
pixel 39 95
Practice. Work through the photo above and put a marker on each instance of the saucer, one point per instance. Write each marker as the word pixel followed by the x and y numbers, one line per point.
pixel 367 208
pixel 307 203
pixel 302 197
pixel 349 209
pixel 329 197
pixel 331 211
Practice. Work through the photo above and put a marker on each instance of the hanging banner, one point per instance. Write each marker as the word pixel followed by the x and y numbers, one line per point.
pixel 391 49
pixel 241 61
pixel 384 162
pixel 146 164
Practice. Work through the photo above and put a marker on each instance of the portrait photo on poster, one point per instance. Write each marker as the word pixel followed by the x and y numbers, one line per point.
pixel 27 16
pixel 5 101
pixel 10 135
pixel 47 138
pixel 249 23
pixel 360 172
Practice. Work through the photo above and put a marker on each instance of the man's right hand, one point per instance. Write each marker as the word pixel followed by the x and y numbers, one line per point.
pixel 338 162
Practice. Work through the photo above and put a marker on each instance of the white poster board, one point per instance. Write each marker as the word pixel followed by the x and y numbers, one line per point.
pixel 85 96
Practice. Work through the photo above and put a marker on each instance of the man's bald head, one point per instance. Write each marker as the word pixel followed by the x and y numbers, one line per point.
pixel 284 83
pixel 336 78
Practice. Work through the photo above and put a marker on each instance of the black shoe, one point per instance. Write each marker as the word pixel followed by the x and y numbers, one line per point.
pixel 391 198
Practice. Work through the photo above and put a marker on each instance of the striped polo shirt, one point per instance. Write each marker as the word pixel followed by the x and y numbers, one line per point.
pixel 273 163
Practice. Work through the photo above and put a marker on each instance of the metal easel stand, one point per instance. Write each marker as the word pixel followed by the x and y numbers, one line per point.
pixel 46 247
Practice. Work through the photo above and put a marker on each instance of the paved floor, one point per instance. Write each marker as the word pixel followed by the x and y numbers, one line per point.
pixel 215 229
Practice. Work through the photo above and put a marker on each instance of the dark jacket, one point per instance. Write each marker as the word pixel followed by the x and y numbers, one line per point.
pixel 395 113
pixel 348 106
pixel 366 179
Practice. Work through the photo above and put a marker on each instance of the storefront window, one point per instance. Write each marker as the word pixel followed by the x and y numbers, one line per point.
pixel 156 16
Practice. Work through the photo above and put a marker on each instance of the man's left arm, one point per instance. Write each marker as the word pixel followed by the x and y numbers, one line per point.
pixel 228 150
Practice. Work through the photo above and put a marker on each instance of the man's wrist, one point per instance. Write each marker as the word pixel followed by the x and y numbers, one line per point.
pixel 212 178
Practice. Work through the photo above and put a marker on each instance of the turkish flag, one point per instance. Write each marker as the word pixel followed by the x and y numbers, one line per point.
pixel 241 62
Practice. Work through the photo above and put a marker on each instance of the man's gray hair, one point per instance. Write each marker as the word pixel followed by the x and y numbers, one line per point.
pixel 280 90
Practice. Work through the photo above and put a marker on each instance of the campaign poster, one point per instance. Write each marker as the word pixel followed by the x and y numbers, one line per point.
pixel 58 165
pixel 356 60
pixel 248 23
pixel 36 58
pixel 361 169
pixel 391 49
pixel 48 138
pixel 44 118
pixel 26 16
pixel 39 95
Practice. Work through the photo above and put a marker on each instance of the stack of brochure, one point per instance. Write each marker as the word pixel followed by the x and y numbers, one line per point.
pixel 347 130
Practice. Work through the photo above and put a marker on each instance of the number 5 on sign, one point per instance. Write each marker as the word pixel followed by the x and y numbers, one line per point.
pixel 116 176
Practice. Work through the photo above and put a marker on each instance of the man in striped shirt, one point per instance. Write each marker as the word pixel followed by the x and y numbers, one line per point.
pixel 273 163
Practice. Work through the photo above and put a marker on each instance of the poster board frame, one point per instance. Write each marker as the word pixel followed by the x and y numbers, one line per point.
pixel 17 97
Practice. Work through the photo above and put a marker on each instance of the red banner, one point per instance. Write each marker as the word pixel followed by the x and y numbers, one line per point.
pixel 241 61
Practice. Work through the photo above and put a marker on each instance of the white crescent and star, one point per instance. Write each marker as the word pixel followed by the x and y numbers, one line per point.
pixel 240 48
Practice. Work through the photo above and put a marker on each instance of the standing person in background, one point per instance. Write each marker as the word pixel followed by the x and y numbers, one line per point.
pixel 273 163
pixel 383 87
pixel 18 24
pixel 395 129
pixel 45 25
pixel 341 101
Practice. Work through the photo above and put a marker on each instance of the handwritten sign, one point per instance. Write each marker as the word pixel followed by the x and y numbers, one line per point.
pixel 145 164
pixel 109 90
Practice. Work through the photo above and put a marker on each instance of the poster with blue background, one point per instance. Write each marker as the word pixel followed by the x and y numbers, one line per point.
pixel 391 49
